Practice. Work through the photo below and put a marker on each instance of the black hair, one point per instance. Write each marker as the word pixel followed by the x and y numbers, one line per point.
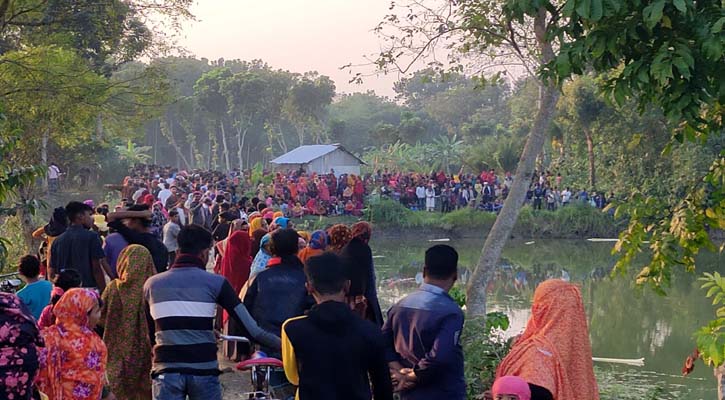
pixel 145 222
pixel 173 213
pixel 285 243
pixel 57 224
pixel 66 280
pixel 326 273
pixel 441 262
pixel 74 209
pixel 29 266
pixel 193 239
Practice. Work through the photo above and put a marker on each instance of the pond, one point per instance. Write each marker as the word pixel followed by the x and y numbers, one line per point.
pixel 625 322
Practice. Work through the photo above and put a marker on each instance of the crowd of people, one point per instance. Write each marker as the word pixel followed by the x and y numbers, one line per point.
pixel 140 291
pixel 296 193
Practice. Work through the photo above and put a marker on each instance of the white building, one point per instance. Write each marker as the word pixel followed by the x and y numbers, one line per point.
pixel 320 158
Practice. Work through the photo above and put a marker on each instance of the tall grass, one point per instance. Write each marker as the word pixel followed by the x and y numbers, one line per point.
pixel 570 221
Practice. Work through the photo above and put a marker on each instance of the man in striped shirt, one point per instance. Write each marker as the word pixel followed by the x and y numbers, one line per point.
pixel 182 302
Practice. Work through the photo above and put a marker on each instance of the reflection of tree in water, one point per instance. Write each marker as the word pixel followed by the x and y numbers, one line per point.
pixel 624 322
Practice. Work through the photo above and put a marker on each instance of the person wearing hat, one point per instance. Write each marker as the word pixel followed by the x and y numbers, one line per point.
pixel 134 225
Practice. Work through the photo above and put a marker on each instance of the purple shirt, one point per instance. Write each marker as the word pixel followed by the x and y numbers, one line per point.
pixel 113 246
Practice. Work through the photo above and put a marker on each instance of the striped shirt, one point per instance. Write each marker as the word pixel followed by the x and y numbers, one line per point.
pixel 182 303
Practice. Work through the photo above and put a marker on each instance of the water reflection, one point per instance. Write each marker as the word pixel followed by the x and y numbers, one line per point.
pixel 625 322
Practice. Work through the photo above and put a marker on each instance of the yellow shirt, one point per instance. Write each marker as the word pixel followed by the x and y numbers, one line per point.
pixel 289 359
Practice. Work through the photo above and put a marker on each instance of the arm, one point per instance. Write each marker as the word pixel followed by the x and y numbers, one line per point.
pixel 289 358
pixel 443 352
pixel 98 256
pixel 379 372
pixel 39 233
pixel 98 274
pixel 53 262
pixel 107 269
pixel 229 301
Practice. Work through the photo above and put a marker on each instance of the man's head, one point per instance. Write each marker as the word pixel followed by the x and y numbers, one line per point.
pixel 174 216
pixel 326 277
pixel 441 266
pixel 285 242
pixel 138 224
pixel 29 267
pixel 195 240
pixel 79 214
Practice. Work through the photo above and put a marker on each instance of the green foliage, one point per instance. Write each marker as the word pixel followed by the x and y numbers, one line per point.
pixel 674 232
pixel 132 154
pixel 711 338
pixel 485 348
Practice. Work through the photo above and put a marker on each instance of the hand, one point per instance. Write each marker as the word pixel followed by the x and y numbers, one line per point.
pixel 406 380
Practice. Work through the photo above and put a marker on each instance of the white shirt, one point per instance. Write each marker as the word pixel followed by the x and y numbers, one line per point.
pixel 565 196
pixel 53 172
pixel 164 196
pixel 420 192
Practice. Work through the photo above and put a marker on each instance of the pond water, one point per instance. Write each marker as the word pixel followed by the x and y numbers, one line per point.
pixel 625 322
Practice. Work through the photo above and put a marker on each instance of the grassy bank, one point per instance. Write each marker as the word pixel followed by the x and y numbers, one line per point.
pixel 392 218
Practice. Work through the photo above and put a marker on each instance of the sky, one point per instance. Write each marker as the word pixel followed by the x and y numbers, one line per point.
pixel 295 35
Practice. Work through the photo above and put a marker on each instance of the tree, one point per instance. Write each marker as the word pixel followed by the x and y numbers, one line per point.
pixel 582 110
pixel 307 103
pixel 208 92
pixel 133 154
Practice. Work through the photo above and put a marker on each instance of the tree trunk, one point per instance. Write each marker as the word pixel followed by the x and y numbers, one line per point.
pixel 241 138
pixel 590 153
pixel 168 132
pixel 99 126
pixel 225 147
pixel 44 157
pixel 720 375
pixel 501 230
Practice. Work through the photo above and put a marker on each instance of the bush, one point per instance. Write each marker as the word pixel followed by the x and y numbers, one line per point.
pixel 484 350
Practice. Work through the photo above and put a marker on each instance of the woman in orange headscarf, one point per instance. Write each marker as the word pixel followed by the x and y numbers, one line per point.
pixel 73 362
pixel 554 352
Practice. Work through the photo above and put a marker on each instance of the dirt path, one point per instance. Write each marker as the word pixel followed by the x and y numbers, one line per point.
pixel 234 383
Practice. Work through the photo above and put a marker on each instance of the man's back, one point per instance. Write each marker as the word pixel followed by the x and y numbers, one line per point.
pixel 422 332
pixel 333 351
pixel 182 302
pixel 75 249
pixel 277 294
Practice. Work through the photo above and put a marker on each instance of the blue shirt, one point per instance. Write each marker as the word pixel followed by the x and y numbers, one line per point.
pixel 422 332
pixel 36 296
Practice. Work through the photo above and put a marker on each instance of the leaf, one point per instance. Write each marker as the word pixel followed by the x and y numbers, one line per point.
pixel 583 8
pixel 597 10
pixel 680 5
pixel 653 13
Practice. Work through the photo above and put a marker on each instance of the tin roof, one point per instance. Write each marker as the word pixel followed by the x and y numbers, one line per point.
pixel 308 153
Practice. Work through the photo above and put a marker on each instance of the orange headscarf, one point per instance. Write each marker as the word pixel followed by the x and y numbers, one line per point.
pixel 554 351
pixel 73 362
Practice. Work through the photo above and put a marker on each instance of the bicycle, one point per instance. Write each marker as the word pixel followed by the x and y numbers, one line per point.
pixel 262 371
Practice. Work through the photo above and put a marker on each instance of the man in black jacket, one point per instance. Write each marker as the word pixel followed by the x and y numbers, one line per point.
pixel 278 293
pixel 331 353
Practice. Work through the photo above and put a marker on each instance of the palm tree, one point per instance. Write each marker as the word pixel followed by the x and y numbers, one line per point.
pixel 447 149
pixel 133 154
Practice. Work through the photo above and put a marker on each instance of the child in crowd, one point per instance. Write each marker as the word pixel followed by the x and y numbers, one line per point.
pixel 36 293
pixel 511 388
pixel 64 281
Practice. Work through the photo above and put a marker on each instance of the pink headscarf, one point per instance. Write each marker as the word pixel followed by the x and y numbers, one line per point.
pixel 512 385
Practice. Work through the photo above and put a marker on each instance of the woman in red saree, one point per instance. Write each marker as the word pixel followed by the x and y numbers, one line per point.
pixel 236 266
pixel 554 352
